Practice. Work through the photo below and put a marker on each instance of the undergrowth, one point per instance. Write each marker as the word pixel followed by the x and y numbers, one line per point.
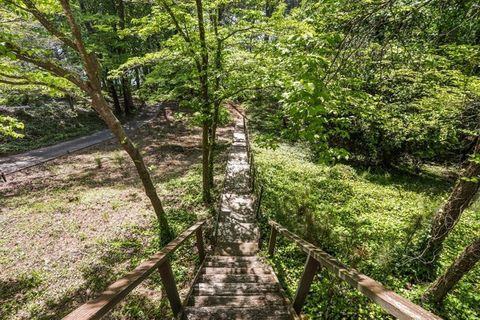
pixel 368 220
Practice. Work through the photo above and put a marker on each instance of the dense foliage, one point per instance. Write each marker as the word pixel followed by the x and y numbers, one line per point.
pixel 366 81
pixel 368 220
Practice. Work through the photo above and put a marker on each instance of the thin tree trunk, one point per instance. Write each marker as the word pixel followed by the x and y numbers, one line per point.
pixel 101 105
pixel 94 90
pixel 83 9
pixel 137 78
pixel 71 102
pixel 216 104
pixel 127 96
pixel 127 92
pixel 116 101
pixel 461 266
pixel 447 217
pixel 203 77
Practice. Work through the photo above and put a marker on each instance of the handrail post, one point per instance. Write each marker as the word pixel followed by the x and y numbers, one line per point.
pixel 259 202
pixel 200 244
pixel 170 286
pixel 272 241
pixel 311 267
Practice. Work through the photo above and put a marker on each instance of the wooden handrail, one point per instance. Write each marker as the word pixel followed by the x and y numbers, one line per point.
pixel 98 307
pixel 391 302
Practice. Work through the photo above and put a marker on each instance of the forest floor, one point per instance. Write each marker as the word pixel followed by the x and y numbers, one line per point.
pixel 74 225
pixel 369 219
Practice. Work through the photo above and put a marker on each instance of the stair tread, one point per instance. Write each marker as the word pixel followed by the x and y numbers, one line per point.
pixel 242 270
pixel 233 258
pixel 252 301
pixel 236 232
pixel 235 289
pixel 238 278
pixel 228 313
pixel 236 248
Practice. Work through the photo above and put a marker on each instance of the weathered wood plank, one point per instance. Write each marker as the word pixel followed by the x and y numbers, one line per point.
pixel 272 241
pixel 390 302
pixel 311 268
pixel 200 244
pixel 168 280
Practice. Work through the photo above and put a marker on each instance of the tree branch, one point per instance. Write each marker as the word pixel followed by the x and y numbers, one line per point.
pixel 49 66
pixel 182 33
pixel 30 7
pixel 234 32
pixel 24 81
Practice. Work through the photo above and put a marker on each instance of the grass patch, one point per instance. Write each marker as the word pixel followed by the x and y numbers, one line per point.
pixel 368 220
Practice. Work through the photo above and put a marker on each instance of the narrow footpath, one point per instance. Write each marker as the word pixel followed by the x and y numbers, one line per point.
pixel 235 283
pixel 14 163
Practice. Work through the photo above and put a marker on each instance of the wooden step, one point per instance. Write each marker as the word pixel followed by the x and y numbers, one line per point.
pixel 228 313
pixel 231 217
pixel 226 271
pixel 238 232
pixel 239 185
pixel 234 289
pixel 236 278
pixel 234 258
pixel 239 134
pixel 239 147
pixel 236 249
pixel 233 264
pixel 237 202
pixel 269 299
pixel 240 157
pixel 234 168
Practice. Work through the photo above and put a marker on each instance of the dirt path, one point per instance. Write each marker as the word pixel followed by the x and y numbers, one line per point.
pixel 14 163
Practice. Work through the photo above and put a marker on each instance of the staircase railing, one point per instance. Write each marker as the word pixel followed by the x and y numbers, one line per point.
pixel 388 300
pixel 116 292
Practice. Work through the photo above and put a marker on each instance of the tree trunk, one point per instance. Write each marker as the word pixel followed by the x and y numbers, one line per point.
pixel 83 9
pixel 213 137
pixel 216 103
pixel 137 78
pixel 203 77
pixel 71 102
pixel 116 101
pixel 94 90
pixel 461 266
pixel 446 218
pixel 99 104
pixel 127 96
pixel 126 90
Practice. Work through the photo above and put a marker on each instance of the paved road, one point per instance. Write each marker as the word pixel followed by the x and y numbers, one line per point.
pixel 14 163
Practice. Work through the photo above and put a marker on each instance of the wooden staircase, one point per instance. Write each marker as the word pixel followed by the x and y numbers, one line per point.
pixel 234 283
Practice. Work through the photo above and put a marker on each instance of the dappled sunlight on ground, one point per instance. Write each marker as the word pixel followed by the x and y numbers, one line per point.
pixel 74 225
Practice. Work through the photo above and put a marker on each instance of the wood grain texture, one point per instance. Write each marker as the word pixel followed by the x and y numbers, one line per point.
pixel 390 302
pixel 98 307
